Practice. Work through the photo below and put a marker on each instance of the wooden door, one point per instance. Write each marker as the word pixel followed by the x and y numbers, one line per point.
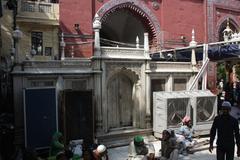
pixel 78 116
pixel 120 104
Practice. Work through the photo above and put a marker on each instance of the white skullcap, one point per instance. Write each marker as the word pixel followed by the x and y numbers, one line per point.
pixel 226 104
pixel 101 148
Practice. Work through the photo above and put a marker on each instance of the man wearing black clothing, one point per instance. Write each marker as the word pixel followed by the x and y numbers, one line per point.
pixel 227 128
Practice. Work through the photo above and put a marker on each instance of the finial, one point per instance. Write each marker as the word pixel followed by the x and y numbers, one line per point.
pixel 62 44
pixel 97 22
pixel 137 42
pixel 193 42
pixel 193 35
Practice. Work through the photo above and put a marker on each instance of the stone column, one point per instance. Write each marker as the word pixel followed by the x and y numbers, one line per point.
pixel 147 82
pixel 96 61
pixel 62 44
pixel 137 42
pixel 96 27
pixel 193 44
pixel 146 45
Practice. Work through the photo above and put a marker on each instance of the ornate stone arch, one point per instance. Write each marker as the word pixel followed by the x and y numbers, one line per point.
pixel 220 22
pixel 133 76
pixel 138 7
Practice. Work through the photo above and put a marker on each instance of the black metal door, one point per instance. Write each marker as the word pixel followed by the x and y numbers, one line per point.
pixel 78 116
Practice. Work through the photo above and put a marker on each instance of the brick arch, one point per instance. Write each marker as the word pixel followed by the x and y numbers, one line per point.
pixel 223 19
pixel 136 6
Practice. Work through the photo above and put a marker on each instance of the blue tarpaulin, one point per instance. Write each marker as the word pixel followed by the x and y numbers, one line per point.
pixel 215 53
pixel 223 52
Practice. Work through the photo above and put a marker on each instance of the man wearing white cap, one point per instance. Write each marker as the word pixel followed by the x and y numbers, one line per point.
pixel 227 129
pixel 100 153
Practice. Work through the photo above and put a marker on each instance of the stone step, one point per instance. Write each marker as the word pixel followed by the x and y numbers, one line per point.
pixel 124 137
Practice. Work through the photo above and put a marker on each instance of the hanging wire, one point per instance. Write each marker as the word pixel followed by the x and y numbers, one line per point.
pixel 116 43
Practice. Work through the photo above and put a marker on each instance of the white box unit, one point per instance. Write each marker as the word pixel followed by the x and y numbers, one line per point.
pixel 169 108
pixel 204 104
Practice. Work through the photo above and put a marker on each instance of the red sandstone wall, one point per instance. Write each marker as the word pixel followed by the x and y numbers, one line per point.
pixel 72 12
pixel 176 17
pixel 180 17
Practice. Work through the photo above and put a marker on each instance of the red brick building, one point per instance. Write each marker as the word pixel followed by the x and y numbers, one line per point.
pixel 113 81
pixel 168 22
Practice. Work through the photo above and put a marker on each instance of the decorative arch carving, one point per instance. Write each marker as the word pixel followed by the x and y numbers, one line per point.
pixel 136 6
pixel 233 21
pixel 131 74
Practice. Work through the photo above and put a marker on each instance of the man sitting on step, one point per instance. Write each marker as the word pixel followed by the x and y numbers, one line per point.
pixel 140 150
pixel 169 146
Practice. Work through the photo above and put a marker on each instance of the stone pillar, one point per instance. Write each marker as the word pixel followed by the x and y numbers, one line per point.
pixel 62 44
pixel 147 82
pixel 193 44
pixel 137 42
pixel 146 45
pixel 96 27
pixel 98 101
pixel 17 35
pixel 97 75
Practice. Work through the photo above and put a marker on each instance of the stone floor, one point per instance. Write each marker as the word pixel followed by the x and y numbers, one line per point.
pixel 120 153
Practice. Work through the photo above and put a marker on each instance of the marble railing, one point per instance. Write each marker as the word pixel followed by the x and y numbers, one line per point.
pixel 171 66
pixel 117 52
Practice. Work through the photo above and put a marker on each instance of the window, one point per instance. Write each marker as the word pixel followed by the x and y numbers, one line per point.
pixel 158 85
pixel 37 42
pixel 179 84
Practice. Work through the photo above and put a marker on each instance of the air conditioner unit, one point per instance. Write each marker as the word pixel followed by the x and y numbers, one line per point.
pixel 204 104
pixel 169 108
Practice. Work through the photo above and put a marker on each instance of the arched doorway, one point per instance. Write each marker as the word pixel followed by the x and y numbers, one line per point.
pixel 122 21
pixel 123 25
pixel 119 102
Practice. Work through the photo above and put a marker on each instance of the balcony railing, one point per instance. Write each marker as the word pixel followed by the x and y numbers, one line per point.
pixel 29 11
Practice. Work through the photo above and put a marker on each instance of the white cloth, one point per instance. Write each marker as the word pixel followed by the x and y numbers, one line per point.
pixel 77 150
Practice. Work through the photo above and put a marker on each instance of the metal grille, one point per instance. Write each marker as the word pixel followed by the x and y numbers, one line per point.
pixel 205 108
pixel 177 109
